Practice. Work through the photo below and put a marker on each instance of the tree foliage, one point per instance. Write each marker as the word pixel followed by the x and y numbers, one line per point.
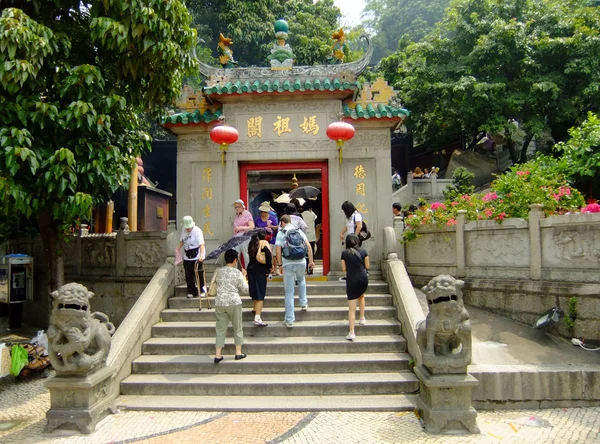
pixel 73 79
pixel 250 26
pixel 391 20
pixel 492 62
pixel 582 151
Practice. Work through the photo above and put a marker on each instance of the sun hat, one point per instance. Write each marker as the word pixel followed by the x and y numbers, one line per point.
pixel 265 207
pixel 188 222
pixel 241 202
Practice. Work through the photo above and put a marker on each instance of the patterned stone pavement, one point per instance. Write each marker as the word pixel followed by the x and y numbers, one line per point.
pixel 23 406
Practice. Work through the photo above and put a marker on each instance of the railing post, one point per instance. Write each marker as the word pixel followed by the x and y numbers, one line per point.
pixel 434 187
pixel 409 182
pixel 535 242
pixel 399 229
pixel 461 219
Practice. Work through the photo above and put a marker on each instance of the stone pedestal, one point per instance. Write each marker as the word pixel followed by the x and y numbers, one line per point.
pixel 444 402
pixel 80 401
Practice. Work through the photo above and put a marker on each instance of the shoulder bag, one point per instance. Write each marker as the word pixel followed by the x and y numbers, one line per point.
pixel 212 290
pixel 261 256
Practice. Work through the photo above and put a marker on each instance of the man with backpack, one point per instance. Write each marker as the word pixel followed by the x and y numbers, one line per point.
pixel 292 247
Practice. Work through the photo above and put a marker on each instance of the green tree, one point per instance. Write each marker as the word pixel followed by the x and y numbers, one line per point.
pixel 250 26
pixel 490 63
pixel 73 79
pixel 581 152
pixel 390 20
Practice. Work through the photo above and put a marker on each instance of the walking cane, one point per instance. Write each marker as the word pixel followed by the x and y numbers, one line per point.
pixel 197 279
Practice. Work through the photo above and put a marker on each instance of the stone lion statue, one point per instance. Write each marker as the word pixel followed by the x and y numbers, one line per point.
pixel 78 340
pixel 445 336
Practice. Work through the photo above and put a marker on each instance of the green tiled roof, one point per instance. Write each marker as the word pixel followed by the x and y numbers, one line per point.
pixel 270 86
pixel 372 112
pixel 195 116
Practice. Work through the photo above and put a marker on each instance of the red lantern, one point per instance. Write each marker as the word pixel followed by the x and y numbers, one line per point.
pixel 224 135
pixel 340 132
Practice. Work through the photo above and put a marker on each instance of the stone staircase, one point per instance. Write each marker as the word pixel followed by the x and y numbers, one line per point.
pixel 308 367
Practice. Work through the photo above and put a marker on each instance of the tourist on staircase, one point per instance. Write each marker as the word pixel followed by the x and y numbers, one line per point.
pixel 355 263
pixel 229 282
pixel 242 223
pixel 292 245
pixel 270 223
pixel 192 241
pixel 259 267
pixel 353 223
pixel 309 216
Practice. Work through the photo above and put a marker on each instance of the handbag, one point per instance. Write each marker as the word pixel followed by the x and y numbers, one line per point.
pixel 212 290
pixel 261 256
pixel 364 232
pixel 192 253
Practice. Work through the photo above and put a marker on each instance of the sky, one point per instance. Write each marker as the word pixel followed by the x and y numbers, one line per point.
pixel 351 10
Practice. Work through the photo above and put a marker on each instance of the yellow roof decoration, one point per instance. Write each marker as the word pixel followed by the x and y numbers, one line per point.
pixel 377 93
pixel 190 100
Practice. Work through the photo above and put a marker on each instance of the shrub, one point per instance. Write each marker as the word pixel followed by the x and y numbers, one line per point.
pixel 539 181
pixel 461 184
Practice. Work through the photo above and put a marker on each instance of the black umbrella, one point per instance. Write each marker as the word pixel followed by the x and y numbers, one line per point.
pixel 304 193
pixel 234 242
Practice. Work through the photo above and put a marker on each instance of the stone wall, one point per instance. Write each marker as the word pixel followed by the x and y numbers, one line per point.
pixel 520 268
pixel 116 267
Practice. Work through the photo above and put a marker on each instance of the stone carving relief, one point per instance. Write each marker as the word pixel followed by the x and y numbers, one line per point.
pixel 288 107
pixel 444 337
pixel 78 340
pixel 575 248
pixel 148 254
pixel 443 244
pixel 197 143
pixel 362 139
pixel 99 254
pixel 510 247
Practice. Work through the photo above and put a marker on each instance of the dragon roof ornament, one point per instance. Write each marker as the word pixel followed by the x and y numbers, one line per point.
pixel 351 69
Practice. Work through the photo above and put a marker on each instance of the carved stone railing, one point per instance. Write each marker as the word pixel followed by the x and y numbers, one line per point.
pixel 116 267
pixel 519 268
pixel 428 189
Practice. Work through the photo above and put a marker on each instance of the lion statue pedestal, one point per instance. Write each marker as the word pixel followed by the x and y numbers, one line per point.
pixel 78 345
pixel 444 339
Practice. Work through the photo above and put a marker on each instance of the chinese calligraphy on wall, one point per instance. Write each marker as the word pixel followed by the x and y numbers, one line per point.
pixel 360 176
pixel 207 197
pixel 276 126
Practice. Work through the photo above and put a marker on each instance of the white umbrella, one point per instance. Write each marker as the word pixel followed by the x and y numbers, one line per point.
pixel 284 198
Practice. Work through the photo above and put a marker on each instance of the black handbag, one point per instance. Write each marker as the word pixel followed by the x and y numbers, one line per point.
pixel 192 254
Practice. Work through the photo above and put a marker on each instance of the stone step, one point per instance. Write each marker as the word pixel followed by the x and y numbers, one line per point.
pixel 266 345
pixel 312 288
pixel 372 403
pixel 277 314
pixel 273 364
pixel 277 329
pixel 316 300
pixel 323 384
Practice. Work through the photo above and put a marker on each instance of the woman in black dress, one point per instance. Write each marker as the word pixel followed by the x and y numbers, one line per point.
pixel 257 273
pixel 355 263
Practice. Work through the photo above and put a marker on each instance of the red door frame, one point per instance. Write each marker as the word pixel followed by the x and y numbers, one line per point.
pixel 319 165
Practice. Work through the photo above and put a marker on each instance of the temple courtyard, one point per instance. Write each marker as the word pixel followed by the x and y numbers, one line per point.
pixel 496 341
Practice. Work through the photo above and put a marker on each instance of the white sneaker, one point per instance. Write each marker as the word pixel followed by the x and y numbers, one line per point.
pixel 362 321
pixel 190 296
pixel 304 307
pixel 342 279
pixel 351 336
pixel 203 294
pixel 289 324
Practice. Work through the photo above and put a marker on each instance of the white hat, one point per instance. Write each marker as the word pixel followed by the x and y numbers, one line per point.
pixel 188 222
pixel 241 202
pixel 265 207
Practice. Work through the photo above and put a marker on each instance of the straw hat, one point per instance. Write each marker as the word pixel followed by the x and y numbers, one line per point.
pixel 188 222
pixel 265 207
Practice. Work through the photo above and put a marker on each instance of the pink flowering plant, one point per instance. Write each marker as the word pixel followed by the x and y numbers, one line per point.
pixel 539 181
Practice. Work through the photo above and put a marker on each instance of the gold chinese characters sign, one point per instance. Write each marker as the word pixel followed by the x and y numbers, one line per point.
pixel 360 187
pixel 280 126
pixel 206 198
